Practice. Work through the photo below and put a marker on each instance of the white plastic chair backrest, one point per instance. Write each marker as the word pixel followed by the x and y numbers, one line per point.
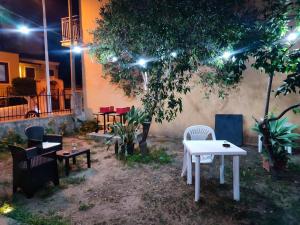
pixel 199 132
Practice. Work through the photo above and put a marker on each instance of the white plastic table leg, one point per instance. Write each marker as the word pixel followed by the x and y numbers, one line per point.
pixel 184 166
pixel 289 149
pixel 197 178
pixel 259 143
pixel 236 178
pixel 189 167
pixel 222 180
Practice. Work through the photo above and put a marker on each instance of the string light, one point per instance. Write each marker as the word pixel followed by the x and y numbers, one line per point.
pixel 77 49
pixel 292 36
pixel 174 54
pixel 226 55
pixel 114 59
pixel 23 29
pixel 142 63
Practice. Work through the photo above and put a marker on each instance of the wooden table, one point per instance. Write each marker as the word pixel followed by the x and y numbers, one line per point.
pixel 106 114
pixel 67 154
pixel 213 147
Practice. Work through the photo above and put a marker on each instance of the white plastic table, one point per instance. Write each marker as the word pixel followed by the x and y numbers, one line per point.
pixel 214 147
pixel 49 144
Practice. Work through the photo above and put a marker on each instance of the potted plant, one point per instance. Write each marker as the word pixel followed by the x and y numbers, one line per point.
pixel 127 133
pixel 281 136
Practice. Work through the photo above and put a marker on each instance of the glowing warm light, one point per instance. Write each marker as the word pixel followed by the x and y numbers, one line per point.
pixel 23 29
pixel 174 54
pixel 292 36
pixel 77 49
pixel 142 63
pixel 6 208
pixel 226 55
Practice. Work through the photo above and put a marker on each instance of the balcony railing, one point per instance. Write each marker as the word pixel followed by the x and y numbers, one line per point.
pixel 66 34
pixel 25 107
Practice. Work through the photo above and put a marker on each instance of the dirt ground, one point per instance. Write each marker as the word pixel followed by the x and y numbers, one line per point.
pixel 112 192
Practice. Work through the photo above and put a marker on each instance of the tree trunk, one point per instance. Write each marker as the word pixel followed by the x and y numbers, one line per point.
pixel 267 105
pixel 265 123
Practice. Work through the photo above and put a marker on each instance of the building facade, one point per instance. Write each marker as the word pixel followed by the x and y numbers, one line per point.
pixel 248 99
pixel 13 66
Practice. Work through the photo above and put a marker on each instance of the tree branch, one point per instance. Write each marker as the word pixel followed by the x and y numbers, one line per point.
pixel 284 112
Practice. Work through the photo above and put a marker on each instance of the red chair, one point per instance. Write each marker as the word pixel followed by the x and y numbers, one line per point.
pixel 108 109
pixel 105 112
pixel 121 112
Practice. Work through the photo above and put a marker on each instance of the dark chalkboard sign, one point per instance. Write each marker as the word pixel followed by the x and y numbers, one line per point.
pixel 229 127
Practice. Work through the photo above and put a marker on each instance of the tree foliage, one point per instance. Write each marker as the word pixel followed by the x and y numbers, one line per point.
pixel 175 38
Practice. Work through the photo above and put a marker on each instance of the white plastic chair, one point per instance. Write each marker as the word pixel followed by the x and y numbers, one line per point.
pixel 197 132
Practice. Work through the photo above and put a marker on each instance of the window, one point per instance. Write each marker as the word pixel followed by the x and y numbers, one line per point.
pixel 30 72
pixel 4 78
pixel 51 72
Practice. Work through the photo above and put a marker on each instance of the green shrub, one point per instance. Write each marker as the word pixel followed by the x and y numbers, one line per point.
pixel 11 138
pixel 63 128
pixel 50 129
pixel 281 136
pixel 87 126
pixel 85 207
pixel 23 216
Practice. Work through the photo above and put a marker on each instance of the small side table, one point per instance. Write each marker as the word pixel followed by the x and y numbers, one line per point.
pixel 67 154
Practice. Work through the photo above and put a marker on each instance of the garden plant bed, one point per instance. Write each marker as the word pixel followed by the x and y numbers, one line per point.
pixel 146 192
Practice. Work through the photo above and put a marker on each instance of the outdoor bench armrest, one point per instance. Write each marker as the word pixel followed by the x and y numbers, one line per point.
pixel 51 154
pixel 34 143
pixel 31 152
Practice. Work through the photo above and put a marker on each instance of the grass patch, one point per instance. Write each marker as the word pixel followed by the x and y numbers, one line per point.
pixel 46 192
pixel 4 155
pixel 85 207
pixel 293 167
pixel 23 216
pixel 73 180
pixel 157 156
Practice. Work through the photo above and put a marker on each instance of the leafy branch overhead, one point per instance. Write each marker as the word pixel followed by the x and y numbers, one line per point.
pixel 175 38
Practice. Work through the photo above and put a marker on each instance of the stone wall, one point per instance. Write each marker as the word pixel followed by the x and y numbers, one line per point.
pixel 55 124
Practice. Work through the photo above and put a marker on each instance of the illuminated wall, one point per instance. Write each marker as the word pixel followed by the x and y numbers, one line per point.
pixel 248 99
pixel 12 60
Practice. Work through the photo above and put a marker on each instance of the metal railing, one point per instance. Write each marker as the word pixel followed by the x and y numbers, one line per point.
pixel 65 29
pixel 14 107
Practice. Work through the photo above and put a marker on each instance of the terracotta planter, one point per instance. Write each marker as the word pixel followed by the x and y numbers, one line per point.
pixel 130 149
pixel 143 143
pixel 266 164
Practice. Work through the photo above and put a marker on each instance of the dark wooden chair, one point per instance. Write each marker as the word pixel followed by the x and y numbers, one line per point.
pixel 31 171
pixel 45 142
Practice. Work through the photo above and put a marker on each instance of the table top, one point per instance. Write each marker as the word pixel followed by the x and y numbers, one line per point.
pixel 71 153
pixel 50 144
pixel 214 147
pixel 104 113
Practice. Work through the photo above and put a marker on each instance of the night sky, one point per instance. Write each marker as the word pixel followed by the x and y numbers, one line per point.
pixel 29 12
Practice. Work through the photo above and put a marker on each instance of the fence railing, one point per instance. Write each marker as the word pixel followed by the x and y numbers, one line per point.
pixel 23 107
pixel 65 29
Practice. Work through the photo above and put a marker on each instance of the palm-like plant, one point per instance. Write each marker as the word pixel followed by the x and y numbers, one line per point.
pixel 128 132
pixel 281 136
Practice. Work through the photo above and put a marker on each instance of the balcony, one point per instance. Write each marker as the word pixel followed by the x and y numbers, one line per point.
pixel 66 34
